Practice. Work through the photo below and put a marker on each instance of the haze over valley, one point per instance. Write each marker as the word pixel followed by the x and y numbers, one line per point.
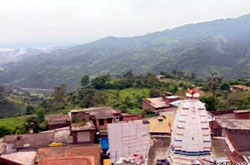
pixel 220 46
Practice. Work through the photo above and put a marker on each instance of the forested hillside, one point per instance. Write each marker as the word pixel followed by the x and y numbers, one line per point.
pixel 221 46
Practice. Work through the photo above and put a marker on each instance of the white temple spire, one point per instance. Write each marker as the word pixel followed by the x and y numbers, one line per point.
pixel 190 139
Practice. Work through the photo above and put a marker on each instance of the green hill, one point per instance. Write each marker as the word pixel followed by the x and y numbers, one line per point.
pixel 221 46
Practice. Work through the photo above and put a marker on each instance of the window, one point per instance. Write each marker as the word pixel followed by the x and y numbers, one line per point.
pixel 109 120
pixel 101 121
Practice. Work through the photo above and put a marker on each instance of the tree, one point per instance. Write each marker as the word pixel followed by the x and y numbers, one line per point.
pixel 225 87
pixel 87 97
pixel 174 71
pixel 4 131
pixel 155 93
pixel 85 81
pixel 150 80
pixel 99 82
pixel 59 97
pixel 1 93
pixel 29 110
pixel 40 114
pixel 129 75
pixel 32 124
pixel 211 102
pixel 193 76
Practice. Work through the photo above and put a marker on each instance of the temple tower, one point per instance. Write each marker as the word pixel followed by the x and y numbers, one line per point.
pixel 190 138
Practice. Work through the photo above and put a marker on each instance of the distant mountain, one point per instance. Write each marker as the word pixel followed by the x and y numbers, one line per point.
pixel 13 55
pixel 221 46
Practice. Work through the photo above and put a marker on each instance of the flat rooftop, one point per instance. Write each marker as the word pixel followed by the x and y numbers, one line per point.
pixel 234 124
pixel 24 157
pixel 162 124
pixel 160 146
pixel 242 111
pixel 157 102
pixel 69 153
pixel 99 112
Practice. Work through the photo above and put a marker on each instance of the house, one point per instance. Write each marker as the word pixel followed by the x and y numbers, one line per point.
pixel 128 139
pixel 160 103
pixel 238 140
pixel 81 154
pixel 128 117
pixel 160 77
pixel 57 121
pixel 83 160
pixel 162 125
pixel 242 114
pixel 18 158
pixel 155 104
pixel 102 116
pixel 222 120
pixel 82 128
pixel 223 125
pixel 241 88
pixel 171 99
pixel 27 141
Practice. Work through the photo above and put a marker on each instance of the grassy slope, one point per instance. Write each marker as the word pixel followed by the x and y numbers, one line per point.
pixel 13 125
pixel 131 93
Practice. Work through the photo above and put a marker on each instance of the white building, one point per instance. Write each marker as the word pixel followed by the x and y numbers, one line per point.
pixel 127 139
pixel 190 138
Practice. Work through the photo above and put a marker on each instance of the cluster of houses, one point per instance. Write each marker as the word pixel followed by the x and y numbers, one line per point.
pixel 102 135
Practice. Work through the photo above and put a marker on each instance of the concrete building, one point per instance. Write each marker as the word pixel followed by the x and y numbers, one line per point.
pixel 160 103
pixel 57 121
pixel 82 128
pixel 162 125
pixel 87 154
pixel 128 140
pixel 102 116
pixel 241 88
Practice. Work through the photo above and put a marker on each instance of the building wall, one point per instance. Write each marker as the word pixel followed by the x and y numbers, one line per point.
pixel 56 126
pixel 104 126
pixel 8 162
pixel 240 139
pixel 131 117
pixel 216 130
pixel 146 105
pixel 242 115
pixel 91 137
pixel 172 100
pixel 80 116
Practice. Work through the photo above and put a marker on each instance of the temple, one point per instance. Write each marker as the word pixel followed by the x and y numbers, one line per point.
pixel 190 138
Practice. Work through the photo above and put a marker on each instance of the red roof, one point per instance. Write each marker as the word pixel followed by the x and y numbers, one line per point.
pixel 72 152
pixel 83 160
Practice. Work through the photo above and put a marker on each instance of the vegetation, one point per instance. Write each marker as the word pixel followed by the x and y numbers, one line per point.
pixel 203 49
pixel 1 69
pixel 12 126
pixel 123 92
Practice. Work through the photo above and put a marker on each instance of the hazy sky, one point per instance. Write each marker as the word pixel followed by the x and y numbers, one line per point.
pixel 50 22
